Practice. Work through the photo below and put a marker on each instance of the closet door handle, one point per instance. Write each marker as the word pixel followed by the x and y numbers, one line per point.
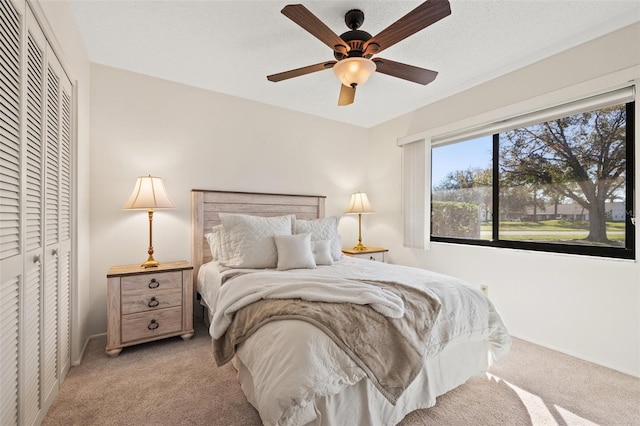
pixel 36 258
pixel 54 252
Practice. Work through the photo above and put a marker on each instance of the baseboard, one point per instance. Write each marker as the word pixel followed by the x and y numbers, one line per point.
pixel 579 356
pixel 78 361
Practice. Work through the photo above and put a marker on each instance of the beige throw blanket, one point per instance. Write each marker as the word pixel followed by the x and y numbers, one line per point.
pixel 390 350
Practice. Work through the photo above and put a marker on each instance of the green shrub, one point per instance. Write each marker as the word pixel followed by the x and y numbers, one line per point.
pixel 455 219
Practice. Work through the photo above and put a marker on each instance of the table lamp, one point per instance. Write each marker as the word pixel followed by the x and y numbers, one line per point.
pixel 359 204
pixel 149 194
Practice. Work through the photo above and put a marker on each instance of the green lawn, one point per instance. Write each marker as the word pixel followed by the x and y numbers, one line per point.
pixel 551 225
pixel 616 239
pixel 558 231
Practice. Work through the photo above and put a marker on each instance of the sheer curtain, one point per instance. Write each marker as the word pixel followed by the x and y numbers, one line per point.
pixel 416 193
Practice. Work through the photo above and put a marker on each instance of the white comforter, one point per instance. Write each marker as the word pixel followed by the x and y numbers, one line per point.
pixel 292 363
pixel 251 287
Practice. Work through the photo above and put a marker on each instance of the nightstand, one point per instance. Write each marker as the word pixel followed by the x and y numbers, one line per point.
pixel 148 304
pixel 371 253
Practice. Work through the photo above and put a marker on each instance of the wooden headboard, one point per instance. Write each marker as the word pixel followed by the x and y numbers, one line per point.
pixel 205 206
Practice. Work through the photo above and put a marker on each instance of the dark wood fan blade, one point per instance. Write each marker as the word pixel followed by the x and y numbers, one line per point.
pixel 404 71
pixel 307 20
pixel 418 19
pixel 347 95
pixel 301 71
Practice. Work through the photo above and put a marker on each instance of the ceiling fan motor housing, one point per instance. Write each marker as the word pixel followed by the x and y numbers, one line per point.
pixel 354 38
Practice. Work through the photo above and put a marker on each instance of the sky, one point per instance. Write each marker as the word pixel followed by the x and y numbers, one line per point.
pixel 460 156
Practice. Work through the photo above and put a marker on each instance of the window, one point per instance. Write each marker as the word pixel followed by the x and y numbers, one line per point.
pixel 462 180
pixel 564 184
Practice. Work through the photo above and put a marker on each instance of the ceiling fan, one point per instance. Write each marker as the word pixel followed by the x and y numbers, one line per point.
pixel 354 49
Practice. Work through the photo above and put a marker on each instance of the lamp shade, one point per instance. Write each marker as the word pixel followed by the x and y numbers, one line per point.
pixel 354 71
pixel 149 193
pixel 359 204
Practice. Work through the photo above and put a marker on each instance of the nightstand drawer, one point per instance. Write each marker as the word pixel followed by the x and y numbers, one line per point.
pixel 151 282
pixel 379 256
pixel 151 301
pixel 150 324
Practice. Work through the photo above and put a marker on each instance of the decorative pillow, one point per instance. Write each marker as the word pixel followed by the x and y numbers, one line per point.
pixel 294 251
pixel 250 239
pixel 323 229
pixel 322 252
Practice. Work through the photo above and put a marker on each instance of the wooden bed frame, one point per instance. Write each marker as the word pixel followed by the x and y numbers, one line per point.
pixel 205 206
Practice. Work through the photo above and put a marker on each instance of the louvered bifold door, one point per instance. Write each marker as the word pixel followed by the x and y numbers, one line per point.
pixel 33 148
pixel 11 250
pixel 36 204
pixel 51 226
pixel 57 226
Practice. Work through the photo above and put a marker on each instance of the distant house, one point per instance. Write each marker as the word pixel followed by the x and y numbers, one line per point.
pixel 615 210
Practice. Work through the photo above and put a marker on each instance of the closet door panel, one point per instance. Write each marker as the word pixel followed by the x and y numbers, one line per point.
pixel 51 226
pixel 11 259
pixel 33 131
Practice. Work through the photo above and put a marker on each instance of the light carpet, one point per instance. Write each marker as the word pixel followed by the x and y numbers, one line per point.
pixel 173 382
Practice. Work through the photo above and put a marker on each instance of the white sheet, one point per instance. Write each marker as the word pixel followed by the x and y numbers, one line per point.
pixel 208 284
pixel 292 373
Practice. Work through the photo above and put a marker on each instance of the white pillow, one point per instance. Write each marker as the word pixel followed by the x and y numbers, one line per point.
pixel 322 252
pixel 323 229
pixel 294 252
pixel 250 239
pixel 214 238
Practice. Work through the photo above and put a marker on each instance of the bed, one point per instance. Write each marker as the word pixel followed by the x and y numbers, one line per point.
pixel 319 338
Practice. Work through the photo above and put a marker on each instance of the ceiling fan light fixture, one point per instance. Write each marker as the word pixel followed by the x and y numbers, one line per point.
pixel 354 71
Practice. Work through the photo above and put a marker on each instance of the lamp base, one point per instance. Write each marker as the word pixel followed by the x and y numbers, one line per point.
pixel 150 263
pixel 360 247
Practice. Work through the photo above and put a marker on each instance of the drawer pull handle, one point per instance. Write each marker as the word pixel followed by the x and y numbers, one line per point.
pixel 153 325
pixel 153 302
pixel 372 258
pixel 153 283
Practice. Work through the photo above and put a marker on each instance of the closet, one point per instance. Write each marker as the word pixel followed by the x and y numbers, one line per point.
pixel 36 205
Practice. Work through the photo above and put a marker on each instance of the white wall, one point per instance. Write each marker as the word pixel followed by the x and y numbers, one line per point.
pixel 195 139
pixel 62 32
pixel 587 307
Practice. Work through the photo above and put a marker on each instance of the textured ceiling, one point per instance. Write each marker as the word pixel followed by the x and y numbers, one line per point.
pixel 231 46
